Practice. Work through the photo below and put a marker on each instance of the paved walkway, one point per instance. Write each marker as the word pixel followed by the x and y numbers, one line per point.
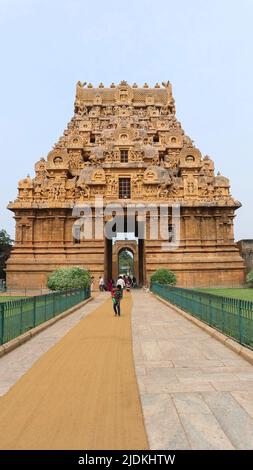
pixel 14 364
pixel 82 393
pixel 74 385
pixel 195 392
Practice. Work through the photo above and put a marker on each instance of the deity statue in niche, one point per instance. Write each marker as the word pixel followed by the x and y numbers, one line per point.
pixel 57 161
pixel 114 185
pixel 109 180
pixel 190 187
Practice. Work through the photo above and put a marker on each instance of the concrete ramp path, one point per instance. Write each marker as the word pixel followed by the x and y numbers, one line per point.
pixel 82 393
pixel 195 392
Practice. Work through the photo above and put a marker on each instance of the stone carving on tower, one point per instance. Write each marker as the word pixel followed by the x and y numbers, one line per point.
pixel 118 130
pixel 124 143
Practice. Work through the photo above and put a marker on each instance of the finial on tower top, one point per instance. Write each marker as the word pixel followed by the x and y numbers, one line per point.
pixel 81 84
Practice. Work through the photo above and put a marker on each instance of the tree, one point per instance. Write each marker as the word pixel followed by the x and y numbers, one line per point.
pixel 68 278
pixel 5 238
pixel 250 278
pixel 126 260
pixel 164 276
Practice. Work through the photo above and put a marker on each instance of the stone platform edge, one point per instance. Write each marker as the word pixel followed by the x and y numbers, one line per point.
pixel 226 340
pixel 16 342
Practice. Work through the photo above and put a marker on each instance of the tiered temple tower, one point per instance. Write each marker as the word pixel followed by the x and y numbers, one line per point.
pixel 125 143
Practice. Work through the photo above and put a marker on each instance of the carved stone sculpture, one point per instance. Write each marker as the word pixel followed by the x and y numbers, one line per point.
pixel 128 137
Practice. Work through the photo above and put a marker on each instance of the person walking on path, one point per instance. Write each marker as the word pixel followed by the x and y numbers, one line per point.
pixel 116 298
pixel 121 283
pixel 101 284
pixel 128 283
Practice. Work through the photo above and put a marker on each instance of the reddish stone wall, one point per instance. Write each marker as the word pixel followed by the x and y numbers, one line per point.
pixel 208 260
pixel 125 144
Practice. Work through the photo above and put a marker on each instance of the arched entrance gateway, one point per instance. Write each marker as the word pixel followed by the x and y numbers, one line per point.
pixel 124 147
pixel 125 260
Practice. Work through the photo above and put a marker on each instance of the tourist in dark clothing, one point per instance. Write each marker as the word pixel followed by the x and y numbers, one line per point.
pixel 110 285
pixel 116 298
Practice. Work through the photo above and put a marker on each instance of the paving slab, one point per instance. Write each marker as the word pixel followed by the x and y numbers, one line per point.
pixel 233 418
pixel 196 393
pixel 245 399
pixel 162 423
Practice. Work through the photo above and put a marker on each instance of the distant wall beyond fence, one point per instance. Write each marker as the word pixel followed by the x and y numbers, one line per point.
pixel 233 317
pixel 19 316
pixel 246 252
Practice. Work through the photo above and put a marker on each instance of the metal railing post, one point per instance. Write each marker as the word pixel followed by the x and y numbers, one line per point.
pixel 45 312
pixel 2 323
pixel 240 322
pixel 53 304
pixel 222 314
pixel 34 312
pixel 210 311
pixel 21 316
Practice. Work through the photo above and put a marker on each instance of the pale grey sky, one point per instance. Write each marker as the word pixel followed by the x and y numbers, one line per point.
pixel 203 47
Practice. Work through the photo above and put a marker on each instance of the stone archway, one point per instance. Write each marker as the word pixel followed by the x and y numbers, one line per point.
pixel 117 248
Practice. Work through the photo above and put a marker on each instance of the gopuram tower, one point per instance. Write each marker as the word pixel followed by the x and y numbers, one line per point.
pixel 125 144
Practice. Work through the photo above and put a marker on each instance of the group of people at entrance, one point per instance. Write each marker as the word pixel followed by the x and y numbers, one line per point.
pixel 128 283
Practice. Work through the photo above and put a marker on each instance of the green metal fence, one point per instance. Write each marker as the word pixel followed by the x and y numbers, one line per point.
pixel 233 317
pixel 19 316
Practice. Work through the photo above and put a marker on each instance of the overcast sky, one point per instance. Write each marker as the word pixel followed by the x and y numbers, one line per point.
pixel 203 47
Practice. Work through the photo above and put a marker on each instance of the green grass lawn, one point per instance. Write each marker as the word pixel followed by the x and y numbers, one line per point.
pixel 5 298
pixel 236 293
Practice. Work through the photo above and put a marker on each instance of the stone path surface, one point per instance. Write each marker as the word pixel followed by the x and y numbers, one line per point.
pixel 195 392
pixel 74 384
pixel 82 393
pixel 14 364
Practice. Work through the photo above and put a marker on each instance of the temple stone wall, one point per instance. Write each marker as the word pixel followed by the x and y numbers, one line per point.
pixel 124 144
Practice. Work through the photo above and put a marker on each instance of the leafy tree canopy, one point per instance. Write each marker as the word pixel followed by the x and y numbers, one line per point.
pixel 250 278
pixel 164 276
pixel 68 278
pixel 5 238
pixel 126 260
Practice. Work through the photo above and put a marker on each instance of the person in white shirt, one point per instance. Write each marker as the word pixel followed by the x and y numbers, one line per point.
pixel 101 283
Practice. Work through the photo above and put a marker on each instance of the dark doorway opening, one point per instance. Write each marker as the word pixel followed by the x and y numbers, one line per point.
pixel 122 241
